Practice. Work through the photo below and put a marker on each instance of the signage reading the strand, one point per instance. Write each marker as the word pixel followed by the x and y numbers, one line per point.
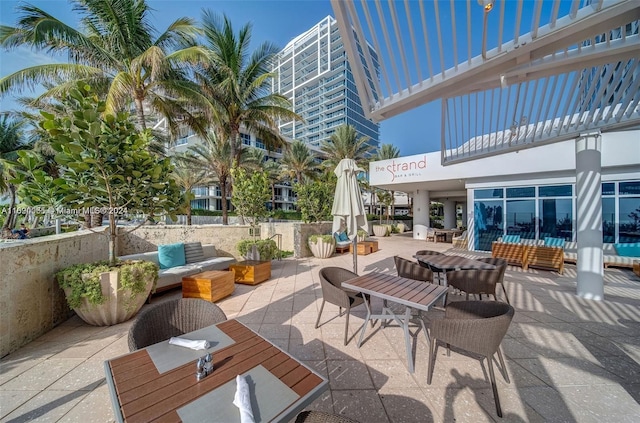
pixel 399 169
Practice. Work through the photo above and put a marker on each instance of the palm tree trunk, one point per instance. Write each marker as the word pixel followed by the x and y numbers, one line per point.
pixel 87 221
pixel 188 212
pixel 273 197
pixel 223 192
pixel 393 203
pixel 140 114
pixel 9 221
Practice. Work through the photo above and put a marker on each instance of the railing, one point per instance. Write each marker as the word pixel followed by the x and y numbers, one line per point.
pixel 279 244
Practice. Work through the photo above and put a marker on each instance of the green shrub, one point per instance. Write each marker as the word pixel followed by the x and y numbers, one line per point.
pixel 133 277
pixel 266 247
pixel 326 238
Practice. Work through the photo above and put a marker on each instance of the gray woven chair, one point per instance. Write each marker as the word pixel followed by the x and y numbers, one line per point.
pixel 172 318
pixel 475 281
pixel 331 279
pixel 477 327
pixel 500 264
pixel 411 270
pixel 434 269
pixel 321 417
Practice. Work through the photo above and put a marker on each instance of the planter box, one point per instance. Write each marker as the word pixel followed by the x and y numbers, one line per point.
pixel 119 306
pixel 366 247
pixel 251 272
pixel 213 285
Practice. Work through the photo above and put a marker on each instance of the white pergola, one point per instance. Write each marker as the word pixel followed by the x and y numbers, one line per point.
pixel 521 69
pixel 510 74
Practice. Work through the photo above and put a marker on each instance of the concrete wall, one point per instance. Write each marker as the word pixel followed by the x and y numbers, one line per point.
pixel 147 238
pixel 31 303
pixel 225 238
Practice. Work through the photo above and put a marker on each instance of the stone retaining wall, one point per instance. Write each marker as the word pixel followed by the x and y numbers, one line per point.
pixel 31 303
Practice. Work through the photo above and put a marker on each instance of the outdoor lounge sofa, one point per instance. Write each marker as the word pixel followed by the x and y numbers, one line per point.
pixel 534 253
pixel 172 277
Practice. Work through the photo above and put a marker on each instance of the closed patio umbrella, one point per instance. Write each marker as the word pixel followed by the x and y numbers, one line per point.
pixel 348 207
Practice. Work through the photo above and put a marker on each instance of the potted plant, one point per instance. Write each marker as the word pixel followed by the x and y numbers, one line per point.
pixel 105 166
pixel 266 249
pixel 401 227
pixel 380 230
pixel 362 235
pixel 322 246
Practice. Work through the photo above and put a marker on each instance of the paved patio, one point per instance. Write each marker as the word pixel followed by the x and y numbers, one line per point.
pixel 569 359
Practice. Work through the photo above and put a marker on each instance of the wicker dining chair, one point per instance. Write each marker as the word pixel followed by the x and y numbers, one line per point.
pixel 500 264
pixel 477 327
pixel 172 318
pixel 331 279
pixel 321 417
pixel 411 270
pixel 475 281
pixel 434 269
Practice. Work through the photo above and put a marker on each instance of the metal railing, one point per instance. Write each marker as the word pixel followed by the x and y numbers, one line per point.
pixel 279 244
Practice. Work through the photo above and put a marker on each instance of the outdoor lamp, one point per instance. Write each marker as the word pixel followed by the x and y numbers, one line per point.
pixel 486 4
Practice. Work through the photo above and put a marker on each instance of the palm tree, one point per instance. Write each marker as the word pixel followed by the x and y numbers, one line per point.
pixel 214 155
pixel 298 161
pixel 188 176
pixel 345 144
pixel 386 152
pixel 11 141
pixel 238 83
pixel 115 52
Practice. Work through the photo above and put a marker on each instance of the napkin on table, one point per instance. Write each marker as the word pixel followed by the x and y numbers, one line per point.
pixel 242 400
pixel 193 344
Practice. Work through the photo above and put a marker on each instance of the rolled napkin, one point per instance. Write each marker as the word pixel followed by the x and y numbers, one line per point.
pixel 242 400
pixel 193 344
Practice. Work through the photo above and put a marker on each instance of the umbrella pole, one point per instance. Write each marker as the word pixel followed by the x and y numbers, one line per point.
pixel 355 255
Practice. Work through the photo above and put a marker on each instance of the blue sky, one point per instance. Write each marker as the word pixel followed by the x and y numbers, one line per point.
pixel 414 132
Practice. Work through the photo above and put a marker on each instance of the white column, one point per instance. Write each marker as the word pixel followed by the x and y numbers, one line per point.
pixel 420 214
pixel 464 215
pixel 469 220
pixel 589 216
pixel 449 214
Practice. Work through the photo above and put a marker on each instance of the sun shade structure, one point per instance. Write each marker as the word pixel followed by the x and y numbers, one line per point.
pixel 348 208
pixel 510 74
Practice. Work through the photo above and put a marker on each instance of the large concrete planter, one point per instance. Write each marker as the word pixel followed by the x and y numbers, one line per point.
pixel 380 230
pixel 321 248
pixel 120 304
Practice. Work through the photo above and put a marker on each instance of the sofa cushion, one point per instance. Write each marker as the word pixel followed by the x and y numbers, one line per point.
pixel 628 249
pixel 193 252
pixel 209 251
pixel 553 242
pixel 173 275
pixel 511 239
pixel 216 263
pixel 343 237
pixel 171 255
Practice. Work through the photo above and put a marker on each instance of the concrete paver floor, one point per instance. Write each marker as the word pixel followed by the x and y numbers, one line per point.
pixel 569 359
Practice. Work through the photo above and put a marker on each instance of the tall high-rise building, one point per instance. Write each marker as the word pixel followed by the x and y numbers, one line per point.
pixel 313 72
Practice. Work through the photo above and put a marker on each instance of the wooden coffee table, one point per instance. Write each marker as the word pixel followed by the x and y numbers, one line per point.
pixel 212 285
pixel 251 272
pixel 365 247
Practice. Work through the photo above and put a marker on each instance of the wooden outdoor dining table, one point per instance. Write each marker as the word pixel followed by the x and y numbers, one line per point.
pixel 417 295
pixel 158 383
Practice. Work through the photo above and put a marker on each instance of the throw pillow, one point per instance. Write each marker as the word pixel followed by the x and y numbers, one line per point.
pixel 193 252
pixel 553 242
pixel 511 239
pixel 343 236
pixel 628 249
pixel 171 255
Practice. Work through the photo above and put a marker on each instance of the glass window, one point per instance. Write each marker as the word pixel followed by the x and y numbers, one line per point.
pixel 609 220
pixel 629 220
pixel 632 188
pixel 556 218
pixel 488 223
pixel 608 188
pixel 488 193
pixel 556 191
pixel 521 192
pixel 521 218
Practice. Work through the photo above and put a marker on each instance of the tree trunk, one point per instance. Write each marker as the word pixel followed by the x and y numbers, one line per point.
pixel 10 219
pixel 393 203
pixel 96 220
pixel 223 192
pixel 113 233
pixel 273 197
pixel 87 221
pixel 188 212
pixel 140 114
